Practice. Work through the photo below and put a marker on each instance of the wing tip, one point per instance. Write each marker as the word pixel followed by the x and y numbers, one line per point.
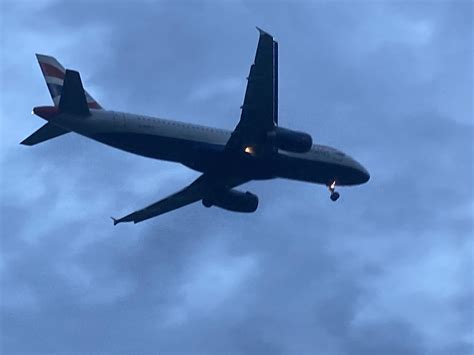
pixel 263 32
pixel 124 219
pixel 116 221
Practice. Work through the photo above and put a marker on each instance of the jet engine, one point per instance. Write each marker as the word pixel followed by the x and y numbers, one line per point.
pixel 292 141
pixel 233 200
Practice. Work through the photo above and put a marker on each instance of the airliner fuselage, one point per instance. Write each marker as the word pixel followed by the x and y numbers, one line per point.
pixel 202 148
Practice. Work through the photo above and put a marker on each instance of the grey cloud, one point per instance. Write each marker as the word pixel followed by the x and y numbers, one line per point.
pixel 301 271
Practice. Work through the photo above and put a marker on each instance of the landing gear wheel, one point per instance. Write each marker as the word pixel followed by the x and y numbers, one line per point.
pixel 206 202
pixel 332 190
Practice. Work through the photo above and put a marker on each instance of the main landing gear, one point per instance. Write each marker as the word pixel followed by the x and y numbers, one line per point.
pixel 334 194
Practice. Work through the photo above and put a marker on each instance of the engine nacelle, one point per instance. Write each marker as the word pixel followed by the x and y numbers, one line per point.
pixel 292 141
pixel 233 200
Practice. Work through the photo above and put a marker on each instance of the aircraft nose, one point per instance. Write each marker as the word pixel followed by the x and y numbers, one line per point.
pixel 361 175
pixel 365 174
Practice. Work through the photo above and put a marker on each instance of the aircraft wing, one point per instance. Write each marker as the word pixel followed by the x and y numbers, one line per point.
pixel 260 109
pixel 200 188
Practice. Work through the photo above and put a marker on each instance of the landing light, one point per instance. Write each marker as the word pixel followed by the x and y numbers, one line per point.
pixel 249 150
pixel 333 185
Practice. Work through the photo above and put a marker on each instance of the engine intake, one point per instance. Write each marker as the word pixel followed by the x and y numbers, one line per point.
pixel 292 141
pixel 233 200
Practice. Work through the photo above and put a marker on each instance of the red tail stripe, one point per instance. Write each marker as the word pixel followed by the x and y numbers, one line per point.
pixel 47 112
pixel 94 104
pixel 50 70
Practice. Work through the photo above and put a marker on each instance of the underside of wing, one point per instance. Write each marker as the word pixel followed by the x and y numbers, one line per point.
pixel 203 186
pixel 260 109
pixel 190 194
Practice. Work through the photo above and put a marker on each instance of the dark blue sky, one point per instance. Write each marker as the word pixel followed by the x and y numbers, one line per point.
pixel 388 269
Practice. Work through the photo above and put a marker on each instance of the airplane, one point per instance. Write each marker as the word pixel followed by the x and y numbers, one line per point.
pixel 257 149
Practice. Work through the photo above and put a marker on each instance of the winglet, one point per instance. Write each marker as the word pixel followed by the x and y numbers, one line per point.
pixel 129 218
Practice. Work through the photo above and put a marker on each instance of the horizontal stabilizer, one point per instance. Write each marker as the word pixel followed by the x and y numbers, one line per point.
pixel 73 99
pixel 47 132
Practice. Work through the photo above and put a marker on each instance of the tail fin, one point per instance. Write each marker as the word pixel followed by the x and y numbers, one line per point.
pixel 54 73
pixel 73 98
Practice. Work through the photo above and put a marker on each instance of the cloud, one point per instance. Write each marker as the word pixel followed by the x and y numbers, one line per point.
pixel 385 270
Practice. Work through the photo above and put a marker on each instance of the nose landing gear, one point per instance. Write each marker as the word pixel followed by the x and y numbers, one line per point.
pixel 334 194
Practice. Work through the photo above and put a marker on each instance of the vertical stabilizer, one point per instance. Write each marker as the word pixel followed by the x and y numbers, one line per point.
pixel 73 99
pixel 54 73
